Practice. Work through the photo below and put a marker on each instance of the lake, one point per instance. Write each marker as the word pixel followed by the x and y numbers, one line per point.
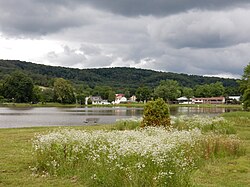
pixel 12 117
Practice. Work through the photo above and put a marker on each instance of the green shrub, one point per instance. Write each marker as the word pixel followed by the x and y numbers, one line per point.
pixel 156 113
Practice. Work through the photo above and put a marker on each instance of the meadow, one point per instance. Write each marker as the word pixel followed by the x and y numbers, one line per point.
pixel 192 152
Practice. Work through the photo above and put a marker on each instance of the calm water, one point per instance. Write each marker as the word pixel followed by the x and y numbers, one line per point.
pixel 30 117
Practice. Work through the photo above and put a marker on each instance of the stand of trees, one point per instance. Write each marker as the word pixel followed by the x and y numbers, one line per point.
pixel 245 87
pixel 40 83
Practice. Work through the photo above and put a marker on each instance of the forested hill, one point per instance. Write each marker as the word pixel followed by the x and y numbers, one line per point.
pixel 118 77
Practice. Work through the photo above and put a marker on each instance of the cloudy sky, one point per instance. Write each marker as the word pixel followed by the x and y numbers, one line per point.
pixel 184 36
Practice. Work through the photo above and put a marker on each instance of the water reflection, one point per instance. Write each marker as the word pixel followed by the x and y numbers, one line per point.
pixel 176 111
pixel 29 117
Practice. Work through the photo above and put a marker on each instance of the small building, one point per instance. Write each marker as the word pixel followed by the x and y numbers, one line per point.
pixel 233 100
pixel 184 100
pixel 132 98
pixel 120 98
pixel 209 100
pixel 96 100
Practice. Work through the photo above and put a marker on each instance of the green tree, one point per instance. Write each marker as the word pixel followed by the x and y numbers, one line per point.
pixel 111 96
pixel 18 87
pixel 168 90
pixel 187 92
pixel 81 98
pixel 245 87
pixel 202 91
pixel 217 89
pixel 143 93
pixel 63 91
pixel 47 95
pixel 102 91
pixel 37 94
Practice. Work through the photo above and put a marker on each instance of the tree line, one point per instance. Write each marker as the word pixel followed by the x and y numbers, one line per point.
pixel 120 79
pixel 20 87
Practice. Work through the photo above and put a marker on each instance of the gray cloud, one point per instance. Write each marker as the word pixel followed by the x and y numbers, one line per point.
pixel 157 7
pixel 187 36
pixel 203 29
pixel 29 18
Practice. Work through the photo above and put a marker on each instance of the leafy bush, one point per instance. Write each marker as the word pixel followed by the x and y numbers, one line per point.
pixel 156 113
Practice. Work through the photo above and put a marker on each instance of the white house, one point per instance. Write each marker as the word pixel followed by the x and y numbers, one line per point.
pixel 96 100
pixel 184 100
pixel 119 98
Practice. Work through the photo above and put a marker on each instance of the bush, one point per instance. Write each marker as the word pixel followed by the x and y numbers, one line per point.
pixel 156 113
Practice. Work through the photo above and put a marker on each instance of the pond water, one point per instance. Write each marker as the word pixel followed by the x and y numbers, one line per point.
pixel 11 117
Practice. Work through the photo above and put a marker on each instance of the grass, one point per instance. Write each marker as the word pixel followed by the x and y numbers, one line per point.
pixel 16 158
pixel 231 172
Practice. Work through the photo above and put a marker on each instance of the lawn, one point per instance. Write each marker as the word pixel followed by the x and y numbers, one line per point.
pixel 16 159
pixel 228 172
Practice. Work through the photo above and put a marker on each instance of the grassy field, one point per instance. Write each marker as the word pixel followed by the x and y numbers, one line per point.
pixel 230 172
pixel 16 158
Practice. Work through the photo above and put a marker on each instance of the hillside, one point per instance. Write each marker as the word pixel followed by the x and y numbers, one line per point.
pixel 118 77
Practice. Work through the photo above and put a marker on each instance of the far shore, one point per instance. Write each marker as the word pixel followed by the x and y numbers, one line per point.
pixel 140 105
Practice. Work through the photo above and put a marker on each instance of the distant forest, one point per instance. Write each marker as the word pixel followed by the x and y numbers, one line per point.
pixel 118 78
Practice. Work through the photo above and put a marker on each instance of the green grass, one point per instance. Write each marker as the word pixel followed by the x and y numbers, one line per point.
pixel 231 172
pixel 16 158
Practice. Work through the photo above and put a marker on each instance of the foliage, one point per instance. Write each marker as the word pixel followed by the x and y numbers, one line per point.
pixel 187 92
pixel 63 91
pixel 37 94
pixel 143 93
pixel 1 99
pixel 156 113
pixel 245 87
pixel 246 99
pixel 111 96
pixel 18 87
pixel 169 90
pixel 210 90
pixel 103 91
pixel 47 95
pixel 81 98
pixel 119 78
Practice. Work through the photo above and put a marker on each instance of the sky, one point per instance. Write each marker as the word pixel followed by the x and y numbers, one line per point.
pixel 197 37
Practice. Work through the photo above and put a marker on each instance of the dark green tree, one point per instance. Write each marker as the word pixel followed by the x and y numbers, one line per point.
pixel 217 89
pixel 37 94
pixel 18 87
pixel 187 92
pixel 102 91
pixel 47 95
pixel 168 90
pixel 63 91
pixel 202 91
pixel 245 87
pixel 111 96
pixel 81 98
pixel 143 93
